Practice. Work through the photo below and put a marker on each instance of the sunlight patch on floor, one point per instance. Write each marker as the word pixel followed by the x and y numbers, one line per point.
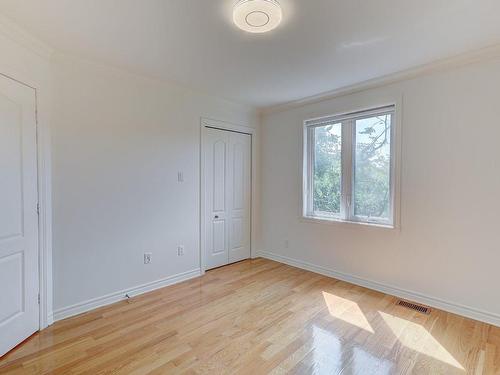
pixel 366 363
pixel 346 310
pixel 331 356
pixel 327 352
pixel 417 338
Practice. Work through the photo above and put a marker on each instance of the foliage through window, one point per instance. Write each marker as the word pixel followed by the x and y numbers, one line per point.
pixel 349 167
pixel 327 168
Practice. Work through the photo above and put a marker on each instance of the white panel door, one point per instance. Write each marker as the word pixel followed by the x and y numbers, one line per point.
pixel 227 187
pixel 239 188
pixel 216 229
pixel 19 309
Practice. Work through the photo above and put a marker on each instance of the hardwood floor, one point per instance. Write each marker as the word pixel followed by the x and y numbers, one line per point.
pixel 259 317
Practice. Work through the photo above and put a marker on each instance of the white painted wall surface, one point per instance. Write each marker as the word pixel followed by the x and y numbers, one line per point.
pixel 448 245
pixel 119 141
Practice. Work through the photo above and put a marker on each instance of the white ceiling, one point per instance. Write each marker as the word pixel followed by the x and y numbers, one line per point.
pixel 322 45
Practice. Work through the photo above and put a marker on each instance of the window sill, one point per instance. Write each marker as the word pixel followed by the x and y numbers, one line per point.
pixel 335 221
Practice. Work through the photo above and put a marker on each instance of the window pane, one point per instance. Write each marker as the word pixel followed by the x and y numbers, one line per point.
pixel 372 169
pixel 327 169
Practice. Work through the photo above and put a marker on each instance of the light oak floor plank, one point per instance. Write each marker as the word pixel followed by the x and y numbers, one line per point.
pixel 260 317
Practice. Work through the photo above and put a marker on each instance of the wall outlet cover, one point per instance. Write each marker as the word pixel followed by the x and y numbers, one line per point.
pixel 180 250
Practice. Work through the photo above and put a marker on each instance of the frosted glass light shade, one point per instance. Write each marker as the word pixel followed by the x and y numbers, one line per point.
pixel 257 16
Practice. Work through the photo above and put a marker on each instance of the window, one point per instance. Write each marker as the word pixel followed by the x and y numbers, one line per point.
pixel 349 167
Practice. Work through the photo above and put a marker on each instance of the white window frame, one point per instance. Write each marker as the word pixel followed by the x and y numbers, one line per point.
pixel 348 121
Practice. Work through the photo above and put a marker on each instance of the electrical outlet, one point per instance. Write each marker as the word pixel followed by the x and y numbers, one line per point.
pixel 287 244
pixel 180 176
pixel 180 250
pixel 147 258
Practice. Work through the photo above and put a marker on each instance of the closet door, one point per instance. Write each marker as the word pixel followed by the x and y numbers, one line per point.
pixel 239 188
pixel 227 188
pixel 216 203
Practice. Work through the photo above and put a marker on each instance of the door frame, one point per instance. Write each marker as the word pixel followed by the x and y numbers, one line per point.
pixel 44 190
pixel 226 126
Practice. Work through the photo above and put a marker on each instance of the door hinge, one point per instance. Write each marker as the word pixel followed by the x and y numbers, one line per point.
pixel 38 298
pixel 38 208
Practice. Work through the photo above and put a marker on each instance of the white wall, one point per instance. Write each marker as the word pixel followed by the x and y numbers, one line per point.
pixel 118 142
pixel 28 61
pixel 448 246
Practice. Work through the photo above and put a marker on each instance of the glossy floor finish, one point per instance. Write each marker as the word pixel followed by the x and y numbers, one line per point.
pixel 259 317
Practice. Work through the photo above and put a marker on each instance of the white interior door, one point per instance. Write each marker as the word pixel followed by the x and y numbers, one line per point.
pixel 227 163
pixel 240 191
pixel 19 309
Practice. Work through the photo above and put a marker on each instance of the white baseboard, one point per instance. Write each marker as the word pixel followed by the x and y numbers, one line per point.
pixel 94 303
pixel 438 303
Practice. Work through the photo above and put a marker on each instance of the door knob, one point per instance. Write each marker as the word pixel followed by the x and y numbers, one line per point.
pixel 216 216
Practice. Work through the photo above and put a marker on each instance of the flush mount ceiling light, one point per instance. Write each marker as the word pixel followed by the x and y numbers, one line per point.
pixel 257 16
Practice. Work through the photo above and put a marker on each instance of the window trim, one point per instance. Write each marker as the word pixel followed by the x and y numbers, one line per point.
pixel 348 167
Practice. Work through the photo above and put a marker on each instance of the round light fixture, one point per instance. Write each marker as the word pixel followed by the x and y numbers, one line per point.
pixel 257 16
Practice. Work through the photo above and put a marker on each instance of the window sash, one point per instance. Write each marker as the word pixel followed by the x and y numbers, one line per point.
pixel 348 147
pixel 358 115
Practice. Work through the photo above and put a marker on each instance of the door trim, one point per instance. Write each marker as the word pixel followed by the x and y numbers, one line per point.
pixel 223 125
pixel 44 189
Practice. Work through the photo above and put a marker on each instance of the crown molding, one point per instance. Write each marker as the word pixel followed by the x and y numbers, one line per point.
pixel 11 30
pixel 436 66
